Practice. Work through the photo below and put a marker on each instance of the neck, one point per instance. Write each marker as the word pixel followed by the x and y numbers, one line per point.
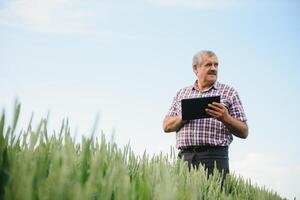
pixel 204 85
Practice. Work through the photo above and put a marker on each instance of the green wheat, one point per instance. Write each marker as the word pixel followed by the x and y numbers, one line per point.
pixel 37 166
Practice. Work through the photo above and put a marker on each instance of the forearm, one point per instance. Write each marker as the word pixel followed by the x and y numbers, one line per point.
pixel 171 124
pixel 238 128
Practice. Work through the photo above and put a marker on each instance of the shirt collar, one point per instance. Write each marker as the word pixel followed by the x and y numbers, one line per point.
pixel 214 86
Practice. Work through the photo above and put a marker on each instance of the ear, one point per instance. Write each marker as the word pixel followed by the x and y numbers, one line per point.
pixel 195 69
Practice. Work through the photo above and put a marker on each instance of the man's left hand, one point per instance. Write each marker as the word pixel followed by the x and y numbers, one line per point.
pixel 217 111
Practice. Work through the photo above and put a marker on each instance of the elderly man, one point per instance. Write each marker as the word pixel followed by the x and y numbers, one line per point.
pixel 206 141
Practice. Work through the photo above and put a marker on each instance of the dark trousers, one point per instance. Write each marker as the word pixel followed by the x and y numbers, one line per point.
pixel 208 156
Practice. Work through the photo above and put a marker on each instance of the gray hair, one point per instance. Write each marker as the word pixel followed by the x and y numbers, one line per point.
pixel 197 58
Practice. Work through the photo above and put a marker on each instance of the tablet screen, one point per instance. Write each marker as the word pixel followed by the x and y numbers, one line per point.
pixel 194 108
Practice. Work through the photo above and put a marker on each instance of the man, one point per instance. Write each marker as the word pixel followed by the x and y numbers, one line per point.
pixel 206 141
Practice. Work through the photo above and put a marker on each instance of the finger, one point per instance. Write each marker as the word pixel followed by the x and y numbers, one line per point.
pixel 214 107
pixel 222 106
pixel 209 113
pixel 212 112
pixel 219 105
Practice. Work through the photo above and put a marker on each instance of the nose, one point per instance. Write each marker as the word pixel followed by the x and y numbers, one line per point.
pixel 214 67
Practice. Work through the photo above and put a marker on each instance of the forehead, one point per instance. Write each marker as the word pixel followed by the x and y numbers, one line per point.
pixel 207 58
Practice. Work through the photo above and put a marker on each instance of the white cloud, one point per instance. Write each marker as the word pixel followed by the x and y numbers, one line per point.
pixel 209 4
pixel 61 16
pixel 270 171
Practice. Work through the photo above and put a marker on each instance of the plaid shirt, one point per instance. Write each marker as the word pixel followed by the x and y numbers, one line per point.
pixel 208 131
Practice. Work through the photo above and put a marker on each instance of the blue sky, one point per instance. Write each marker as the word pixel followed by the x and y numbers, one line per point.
pixel 126 60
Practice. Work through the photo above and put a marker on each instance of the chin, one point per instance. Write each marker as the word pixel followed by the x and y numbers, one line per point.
pixel 212 79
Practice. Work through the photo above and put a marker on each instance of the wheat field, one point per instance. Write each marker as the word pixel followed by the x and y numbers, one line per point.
pixel 37 166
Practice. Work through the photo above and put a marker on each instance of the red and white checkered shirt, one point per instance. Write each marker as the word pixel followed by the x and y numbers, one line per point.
pixel 207 131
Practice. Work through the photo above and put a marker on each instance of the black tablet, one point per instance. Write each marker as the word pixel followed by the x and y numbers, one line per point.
pixel 194 108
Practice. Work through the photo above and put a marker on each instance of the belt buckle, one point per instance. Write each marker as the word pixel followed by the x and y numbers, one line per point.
pixel 194 149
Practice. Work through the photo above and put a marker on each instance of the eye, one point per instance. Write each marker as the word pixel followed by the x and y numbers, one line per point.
pixel 208 65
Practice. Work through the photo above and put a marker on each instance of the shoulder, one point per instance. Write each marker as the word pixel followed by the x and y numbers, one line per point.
pixel 185 90
pixel 226 89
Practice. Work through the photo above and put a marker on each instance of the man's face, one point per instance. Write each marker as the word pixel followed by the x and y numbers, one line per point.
pixel 207 71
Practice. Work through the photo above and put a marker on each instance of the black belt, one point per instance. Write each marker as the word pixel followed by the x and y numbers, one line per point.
pixel 203 148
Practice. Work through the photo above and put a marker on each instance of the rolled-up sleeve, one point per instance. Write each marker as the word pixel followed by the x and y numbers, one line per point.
pixel 236 109
pixel 175 109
